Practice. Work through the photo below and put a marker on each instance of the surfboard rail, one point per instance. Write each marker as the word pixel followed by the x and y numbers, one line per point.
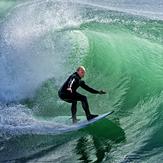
pixel 83 122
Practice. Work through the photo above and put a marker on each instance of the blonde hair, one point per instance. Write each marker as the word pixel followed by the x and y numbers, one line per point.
pixel 80 67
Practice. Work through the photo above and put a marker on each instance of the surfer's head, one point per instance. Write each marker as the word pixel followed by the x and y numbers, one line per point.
pixel 81 71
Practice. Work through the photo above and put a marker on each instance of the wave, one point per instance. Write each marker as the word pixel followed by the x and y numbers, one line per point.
pixel 42 43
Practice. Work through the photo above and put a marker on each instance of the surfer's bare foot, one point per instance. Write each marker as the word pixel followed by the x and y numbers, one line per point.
pixel 91 116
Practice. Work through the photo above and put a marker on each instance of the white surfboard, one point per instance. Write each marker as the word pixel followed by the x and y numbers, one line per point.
pixel 83 121
pixel 86 122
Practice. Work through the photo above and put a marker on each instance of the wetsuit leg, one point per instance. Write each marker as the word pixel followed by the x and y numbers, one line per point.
pixel 73 111
pixel 75 96
pixel 86 107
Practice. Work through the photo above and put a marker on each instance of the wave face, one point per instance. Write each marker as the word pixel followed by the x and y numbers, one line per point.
pixel 120 45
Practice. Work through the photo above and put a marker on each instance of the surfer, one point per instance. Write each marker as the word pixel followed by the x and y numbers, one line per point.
pixel 68 93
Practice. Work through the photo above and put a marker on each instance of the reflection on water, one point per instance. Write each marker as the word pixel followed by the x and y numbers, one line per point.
pixel 96 144
pixel 91 144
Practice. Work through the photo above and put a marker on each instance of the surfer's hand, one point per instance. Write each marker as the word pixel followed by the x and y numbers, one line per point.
pixel 69 89
pixel 102 92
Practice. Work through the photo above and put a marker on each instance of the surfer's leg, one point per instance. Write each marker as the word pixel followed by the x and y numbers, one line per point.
pixel 85 105
pixel 70 97
pixel 79 97
pixel 73 98
pixel 73 111
pixel 86 109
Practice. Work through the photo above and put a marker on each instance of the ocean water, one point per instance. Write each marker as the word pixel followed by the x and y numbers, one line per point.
pixel 120 44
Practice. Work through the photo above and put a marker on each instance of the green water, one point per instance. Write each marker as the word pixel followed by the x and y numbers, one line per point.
pixel 120 45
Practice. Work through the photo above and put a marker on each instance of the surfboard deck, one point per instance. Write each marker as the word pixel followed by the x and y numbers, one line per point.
pixel 83 121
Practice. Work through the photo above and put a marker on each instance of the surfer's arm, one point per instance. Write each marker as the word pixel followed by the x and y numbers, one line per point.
pixel 70 83
pixel 89 89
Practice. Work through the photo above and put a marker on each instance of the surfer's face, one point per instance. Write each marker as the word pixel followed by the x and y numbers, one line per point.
pixel 81 72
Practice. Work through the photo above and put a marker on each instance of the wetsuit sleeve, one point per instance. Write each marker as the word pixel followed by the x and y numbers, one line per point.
pixel 71 81
pixel 87 88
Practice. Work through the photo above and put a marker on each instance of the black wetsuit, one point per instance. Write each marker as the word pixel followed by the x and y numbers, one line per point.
pixel 73 82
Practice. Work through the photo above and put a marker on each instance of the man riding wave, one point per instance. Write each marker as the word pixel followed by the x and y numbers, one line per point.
pixel 68 93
